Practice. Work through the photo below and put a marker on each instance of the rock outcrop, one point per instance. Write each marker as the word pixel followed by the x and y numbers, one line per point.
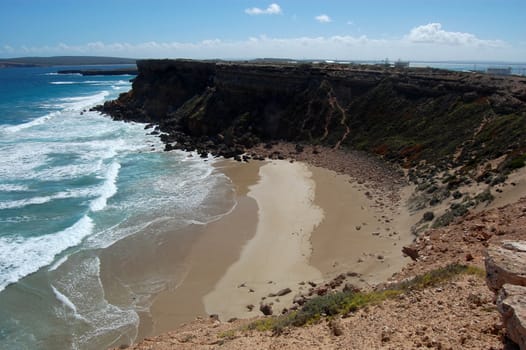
pixel 506 263
pixel 511 303
pixel 404 115
pixel 506 275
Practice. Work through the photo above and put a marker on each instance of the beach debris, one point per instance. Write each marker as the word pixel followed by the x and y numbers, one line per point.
pixel 250 307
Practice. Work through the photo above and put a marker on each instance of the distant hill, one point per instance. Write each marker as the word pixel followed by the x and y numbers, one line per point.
pixel 62 61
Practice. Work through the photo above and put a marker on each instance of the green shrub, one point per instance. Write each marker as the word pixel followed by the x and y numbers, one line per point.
pixel 428 216
pixel 341 303
pixel 516 162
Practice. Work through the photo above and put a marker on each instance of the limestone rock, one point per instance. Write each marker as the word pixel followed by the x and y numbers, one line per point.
pixel 511 303
pixel 506 263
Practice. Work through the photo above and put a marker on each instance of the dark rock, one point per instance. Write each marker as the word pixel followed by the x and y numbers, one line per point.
pixel 266 309
pixel 284 291
pixel 428 216
pixel 410 252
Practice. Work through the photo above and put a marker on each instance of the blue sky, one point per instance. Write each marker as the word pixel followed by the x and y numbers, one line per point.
pixel 330 29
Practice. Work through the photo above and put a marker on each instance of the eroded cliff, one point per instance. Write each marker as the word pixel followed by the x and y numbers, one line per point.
pixel 445 118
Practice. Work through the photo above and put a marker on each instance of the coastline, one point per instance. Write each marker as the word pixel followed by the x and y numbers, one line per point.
pixel 216 247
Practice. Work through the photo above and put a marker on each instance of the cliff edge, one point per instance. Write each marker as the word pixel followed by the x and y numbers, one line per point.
pixel 410 115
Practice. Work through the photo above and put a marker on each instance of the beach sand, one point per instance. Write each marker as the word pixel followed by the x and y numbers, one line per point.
pixel 293 223
pixel 277 257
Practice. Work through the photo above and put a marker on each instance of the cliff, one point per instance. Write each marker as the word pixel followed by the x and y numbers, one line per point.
pixel 442 117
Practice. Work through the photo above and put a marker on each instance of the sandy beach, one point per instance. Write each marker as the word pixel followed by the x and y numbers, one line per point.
pixel 294 223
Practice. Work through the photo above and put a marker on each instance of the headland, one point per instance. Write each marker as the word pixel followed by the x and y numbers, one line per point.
pixel 340 169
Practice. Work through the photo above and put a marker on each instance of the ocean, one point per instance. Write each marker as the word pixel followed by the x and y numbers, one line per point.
pixel 74 185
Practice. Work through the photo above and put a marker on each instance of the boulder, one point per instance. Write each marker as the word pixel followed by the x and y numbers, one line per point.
pixel 511 303
pixel 410 252
pixel 266 309
pixel 506 263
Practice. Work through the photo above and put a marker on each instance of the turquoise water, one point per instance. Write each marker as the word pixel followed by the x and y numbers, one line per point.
pixel 72 184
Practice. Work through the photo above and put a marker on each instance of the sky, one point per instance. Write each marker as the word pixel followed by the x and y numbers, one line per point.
pixel 415 30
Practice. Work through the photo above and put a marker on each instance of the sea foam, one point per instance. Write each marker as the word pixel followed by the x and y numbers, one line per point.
pixel 20 256
pixel 108 189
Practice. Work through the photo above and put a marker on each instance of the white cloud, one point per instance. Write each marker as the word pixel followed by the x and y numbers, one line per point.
pixel 428 42
pixel 323 19
pixel 9 49
pixel 272 9
pixel 432 33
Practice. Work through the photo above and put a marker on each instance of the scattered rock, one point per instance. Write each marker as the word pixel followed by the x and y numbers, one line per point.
pixel 250 307
pixel 266 309
pixel 284 291
pixel 299 299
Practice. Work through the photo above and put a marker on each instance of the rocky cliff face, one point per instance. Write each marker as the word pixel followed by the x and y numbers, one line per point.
pixel 405 115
